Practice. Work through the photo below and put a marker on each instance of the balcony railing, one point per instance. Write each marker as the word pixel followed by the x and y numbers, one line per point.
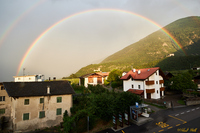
pixel 150 82
pixel 162 88
pixel 161 81
pixel 150 90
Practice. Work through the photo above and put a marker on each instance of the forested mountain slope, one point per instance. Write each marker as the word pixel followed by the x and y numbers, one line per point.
pixel 154 50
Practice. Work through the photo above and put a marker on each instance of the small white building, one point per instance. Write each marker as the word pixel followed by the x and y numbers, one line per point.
pixel 148 82
pixel 93 78
pixel 29 78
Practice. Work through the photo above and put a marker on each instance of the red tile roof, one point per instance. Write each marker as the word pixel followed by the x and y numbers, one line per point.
pixel 142 74
pixel 137 92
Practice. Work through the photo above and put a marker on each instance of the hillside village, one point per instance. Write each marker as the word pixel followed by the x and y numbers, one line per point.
pixel 31 103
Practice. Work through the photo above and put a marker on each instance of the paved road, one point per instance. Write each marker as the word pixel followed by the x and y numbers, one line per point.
pixel 178 120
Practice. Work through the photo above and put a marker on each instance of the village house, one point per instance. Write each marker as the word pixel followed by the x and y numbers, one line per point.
pixel 28 106
pixel 148 82
pixel 196 80
pixel 29 78
pixel 93 78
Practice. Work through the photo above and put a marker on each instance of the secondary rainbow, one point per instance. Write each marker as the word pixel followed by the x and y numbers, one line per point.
pixel 17 20
pixel 87 11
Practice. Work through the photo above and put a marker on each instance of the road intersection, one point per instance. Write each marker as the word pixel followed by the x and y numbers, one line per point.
pixel 176 120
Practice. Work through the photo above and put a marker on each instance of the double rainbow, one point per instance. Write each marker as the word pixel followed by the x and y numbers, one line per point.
pixel 88 11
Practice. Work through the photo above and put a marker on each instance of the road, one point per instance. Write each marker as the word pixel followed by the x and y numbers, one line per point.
pixel 177 120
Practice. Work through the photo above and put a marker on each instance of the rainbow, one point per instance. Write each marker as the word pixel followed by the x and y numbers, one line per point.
pixel 17 20
pixel 87 11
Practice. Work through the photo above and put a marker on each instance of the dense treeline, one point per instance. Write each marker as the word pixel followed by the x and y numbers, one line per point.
pixel 97 103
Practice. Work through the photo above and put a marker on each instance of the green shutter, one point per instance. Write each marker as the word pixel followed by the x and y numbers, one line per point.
pixel 26 101
pixel 59 111
pixel 42 114
pixel 59 99
pixel 2 111
pixel 26 116
pixel 41 100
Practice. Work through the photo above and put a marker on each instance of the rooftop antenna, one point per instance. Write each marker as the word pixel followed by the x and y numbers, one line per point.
pixel 23 73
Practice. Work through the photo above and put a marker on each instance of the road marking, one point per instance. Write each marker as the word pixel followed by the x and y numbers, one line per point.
pixel 178 119
pixel 193 109
pixel 169 127
pixel 183 113
pixel 197 108
pixel 176 114
pixel 188 111
pixel 123 131
pixel 178 124
pixel 161 130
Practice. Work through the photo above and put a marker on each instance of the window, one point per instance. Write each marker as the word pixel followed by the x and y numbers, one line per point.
pixel 26 101
pixel 2 98
pixel 132 86
pixel 138 86
pixel 2 111
pixel 59 111
pixel 42 114
pixel 59 99
pixel 41 100
pixel 157 91
pixel 26 116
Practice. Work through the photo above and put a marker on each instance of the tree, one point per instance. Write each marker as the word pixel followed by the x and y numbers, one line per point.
pixel 182 81
pixel 114 78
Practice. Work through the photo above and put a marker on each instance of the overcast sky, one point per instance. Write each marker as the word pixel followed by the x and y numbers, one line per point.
pixel 80 40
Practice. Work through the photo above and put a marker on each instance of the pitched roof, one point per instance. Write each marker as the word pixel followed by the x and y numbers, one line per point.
pixel 26 89
pixel 141 74
pixel 104 74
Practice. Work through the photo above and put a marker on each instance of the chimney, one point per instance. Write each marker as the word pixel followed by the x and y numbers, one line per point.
pixel 48 89
pixel 54 78
pixel 134 70
pixel 139 71
pixel 49 78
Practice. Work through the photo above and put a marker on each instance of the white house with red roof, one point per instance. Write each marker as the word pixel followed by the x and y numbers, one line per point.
pixel 148 82
pixel 93 78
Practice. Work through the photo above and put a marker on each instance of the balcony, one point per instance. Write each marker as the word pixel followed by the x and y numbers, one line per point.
pixel 150 82
pixel 150 90
pixel 161 81
pixel 162 88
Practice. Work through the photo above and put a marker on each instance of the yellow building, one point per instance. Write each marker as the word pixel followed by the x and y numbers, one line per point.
pixel 34 105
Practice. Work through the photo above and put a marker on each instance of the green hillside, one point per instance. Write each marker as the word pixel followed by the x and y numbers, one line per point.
pixel 154 49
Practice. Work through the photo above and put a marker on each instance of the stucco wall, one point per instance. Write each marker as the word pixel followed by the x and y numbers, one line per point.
pixel 7 106
pixel 50 106
pixel 127 84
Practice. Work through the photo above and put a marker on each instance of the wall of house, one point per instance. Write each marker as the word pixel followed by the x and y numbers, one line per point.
pixel 95 79
pixel 50 107
pixel 30 78
pixel 5 105
pixel 156 78
pixel 127 84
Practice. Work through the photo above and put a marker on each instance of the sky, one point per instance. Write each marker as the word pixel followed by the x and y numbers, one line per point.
pixel 58 37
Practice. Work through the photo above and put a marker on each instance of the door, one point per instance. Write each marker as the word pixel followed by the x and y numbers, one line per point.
pixel 148 95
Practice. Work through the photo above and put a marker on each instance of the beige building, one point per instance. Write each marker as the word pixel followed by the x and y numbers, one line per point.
pixel 34 105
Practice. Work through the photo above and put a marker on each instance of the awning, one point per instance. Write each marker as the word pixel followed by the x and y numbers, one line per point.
pixel 137 92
